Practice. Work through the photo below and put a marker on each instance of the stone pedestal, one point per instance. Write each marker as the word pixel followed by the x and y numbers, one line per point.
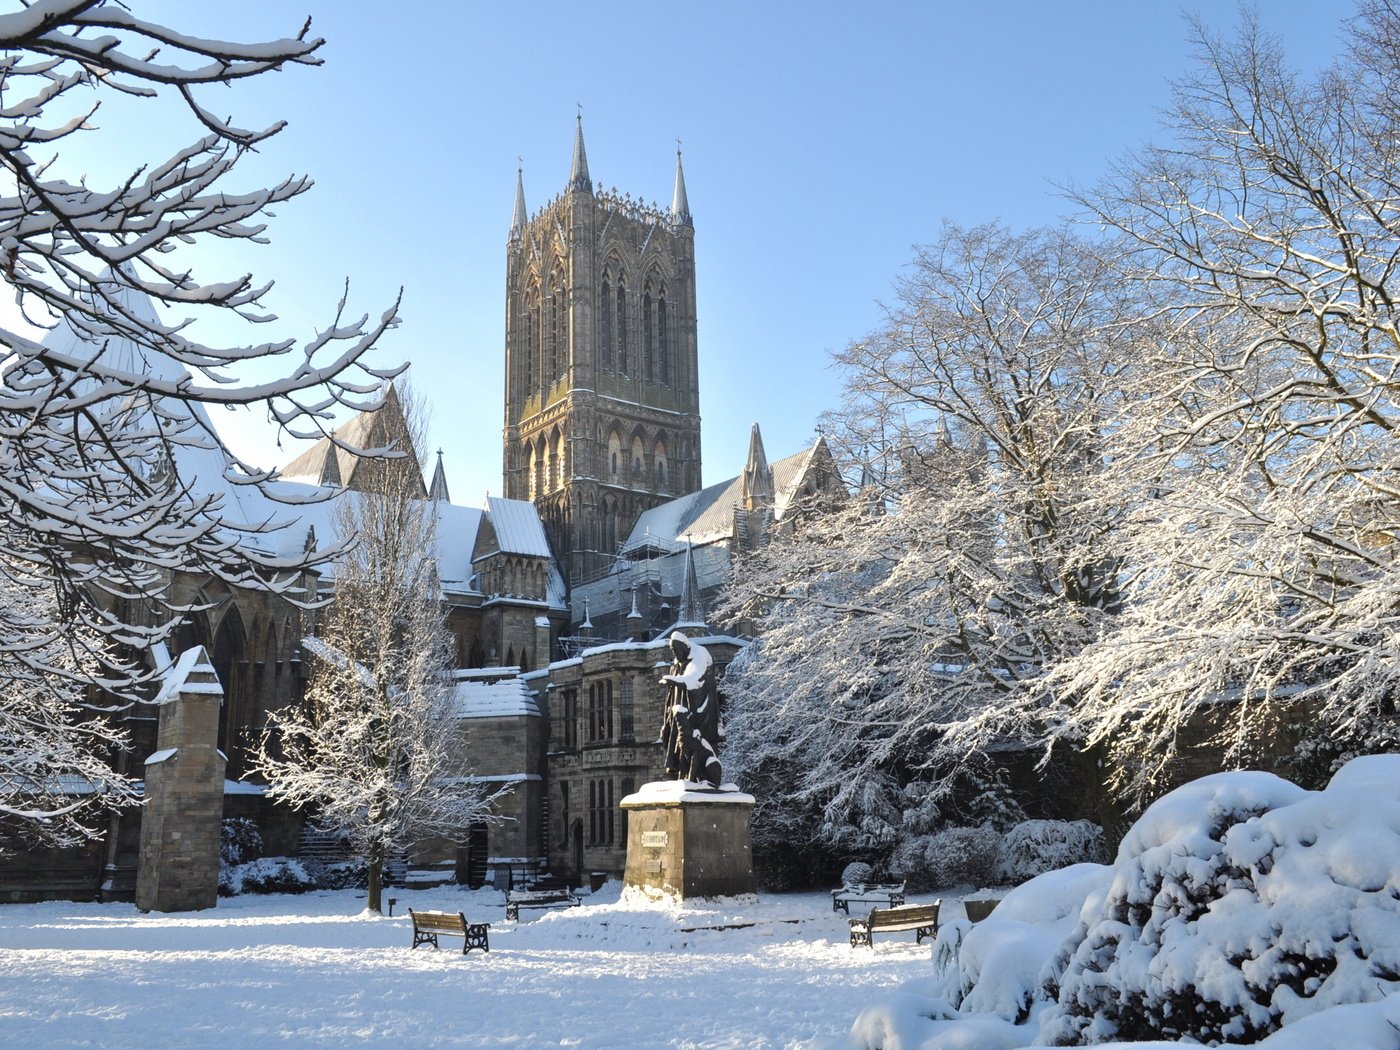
pixel 179 865
pixel 687 840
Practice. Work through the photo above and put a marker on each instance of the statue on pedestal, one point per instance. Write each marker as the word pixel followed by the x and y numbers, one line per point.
pixel 690 718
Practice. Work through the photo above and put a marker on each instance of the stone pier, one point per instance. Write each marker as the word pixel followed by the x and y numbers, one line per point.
pixel 688 840
pixel 180 823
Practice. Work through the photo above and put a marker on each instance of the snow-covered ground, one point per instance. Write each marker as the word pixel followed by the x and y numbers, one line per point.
pixel 262 971
pixel 1240 909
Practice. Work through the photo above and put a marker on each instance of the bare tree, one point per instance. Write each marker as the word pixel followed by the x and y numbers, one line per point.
pixel 907 632
pixel 1263 574
pixel 99 421
pixel 51 783
pixel 376 751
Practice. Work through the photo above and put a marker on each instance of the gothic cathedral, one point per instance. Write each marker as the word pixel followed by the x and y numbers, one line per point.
pixel 602 403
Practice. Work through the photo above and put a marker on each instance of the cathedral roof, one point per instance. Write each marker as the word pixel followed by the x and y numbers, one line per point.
pixel 331 462
pixel 708 515
pixel 518 527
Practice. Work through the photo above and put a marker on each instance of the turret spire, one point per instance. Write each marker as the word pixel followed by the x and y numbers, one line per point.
pixel 578 175
pixel 692 613
pixel 758 476
pixel 680 205
pixel 517 222
pixel 437 491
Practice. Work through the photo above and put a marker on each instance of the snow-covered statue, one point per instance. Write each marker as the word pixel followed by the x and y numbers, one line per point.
pixel 690 719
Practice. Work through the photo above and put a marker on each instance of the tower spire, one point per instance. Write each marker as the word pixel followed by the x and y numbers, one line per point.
pixel 578 174
pixel 517 222
pixel 680 204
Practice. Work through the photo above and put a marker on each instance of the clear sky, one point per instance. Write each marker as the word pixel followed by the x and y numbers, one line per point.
pixel 822 141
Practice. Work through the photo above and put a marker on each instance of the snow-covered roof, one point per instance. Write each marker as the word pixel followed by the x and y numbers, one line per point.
pixel 493 698
pixel 313 466
pixel 518 527
pixel 708 515
pixel 613 592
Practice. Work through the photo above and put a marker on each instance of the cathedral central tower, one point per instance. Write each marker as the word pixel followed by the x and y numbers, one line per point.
pixel 602 398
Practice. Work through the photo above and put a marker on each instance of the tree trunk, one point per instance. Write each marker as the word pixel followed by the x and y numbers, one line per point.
pixel 376 877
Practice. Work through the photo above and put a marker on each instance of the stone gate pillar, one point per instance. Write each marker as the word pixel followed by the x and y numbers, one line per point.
pixel 180 822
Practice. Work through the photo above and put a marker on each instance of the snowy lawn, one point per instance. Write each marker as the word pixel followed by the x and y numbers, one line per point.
pixel 311 971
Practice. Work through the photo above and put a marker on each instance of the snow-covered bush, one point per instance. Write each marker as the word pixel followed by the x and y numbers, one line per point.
pixel 267 875
pixel 951 857
pixel 857 873
pixel 239 842
pixel 1034 847
pixel 1237 906
pixel 1241 903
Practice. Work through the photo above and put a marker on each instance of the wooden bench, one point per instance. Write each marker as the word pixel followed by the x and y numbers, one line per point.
pixel 538 898
pixel 890 894
pixel 428 926
pixel 921 918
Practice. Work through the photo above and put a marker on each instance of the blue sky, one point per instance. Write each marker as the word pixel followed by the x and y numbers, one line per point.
pixel 822 142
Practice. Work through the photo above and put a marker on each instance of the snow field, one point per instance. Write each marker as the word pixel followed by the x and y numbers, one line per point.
pixel 311 970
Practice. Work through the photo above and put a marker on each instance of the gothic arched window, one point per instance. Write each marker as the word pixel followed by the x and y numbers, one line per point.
pixel 605 350
pixel 621 327
pixel 532 336
pixel 609 525
pixel 648 336
pixel 614 456
pixel 658 466
pixel 557 327
pixel 663 338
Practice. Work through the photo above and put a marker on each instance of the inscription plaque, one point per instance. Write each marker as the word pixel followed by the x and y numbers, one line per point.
pixel 654 839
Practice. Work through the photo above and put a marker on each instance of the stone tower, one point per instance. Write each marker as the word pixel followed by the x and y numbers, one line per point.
pixel 602 404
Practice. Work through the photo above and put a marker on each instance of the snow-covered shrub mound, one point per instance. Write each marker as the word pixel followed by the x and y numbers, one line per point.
pixel 1034 847
pixel 1241 909
pixel 1001 964
pixel 1241 903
